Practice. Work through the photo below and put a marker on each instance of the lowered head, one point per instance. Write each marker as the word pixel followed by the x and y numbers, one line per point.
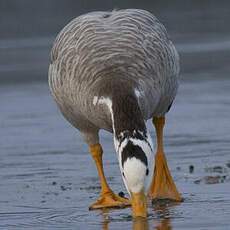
pixel 133 145
pixel 136 165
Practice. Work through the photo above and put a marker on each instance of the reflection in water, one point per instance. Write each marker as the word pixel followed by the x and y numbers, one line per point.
pixel 161 219
pixel 163 224
pixel 105 221
pixel 140 224
pixel 162 211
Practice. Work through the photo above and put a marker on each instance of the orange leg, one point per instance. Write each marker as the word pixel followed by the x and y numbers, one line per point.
pixel 107 198
pixel 163 186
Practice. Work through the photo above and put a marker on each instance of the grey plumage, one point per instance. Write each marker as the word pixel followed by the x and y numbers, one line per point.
pixel 112 54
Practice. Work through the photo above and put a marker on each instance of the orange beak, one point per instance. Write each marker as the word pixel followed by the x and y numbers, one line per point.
pixel 139 204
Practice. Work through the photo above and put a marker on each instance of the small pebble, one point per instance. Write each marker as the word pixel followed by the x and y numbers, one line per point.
pixel 222 179
pixel 212 179
pixel 191 168
pixel 218 169
pixel 197 181
pixel 178 168
pixel 121 194
pixel 63 188
pixel 91 188
pixel 54 183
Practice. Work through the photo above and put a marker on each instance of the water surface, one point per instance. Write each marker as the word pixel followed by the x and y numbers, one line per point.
pixel 48 179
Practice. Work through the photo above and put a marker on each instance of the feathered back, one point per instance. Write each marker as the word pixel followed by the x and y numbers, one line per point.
pixel 127 44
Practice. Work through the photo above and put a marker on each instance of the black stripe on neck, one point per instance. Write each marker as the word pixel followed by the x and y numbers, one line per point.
pixel 130 151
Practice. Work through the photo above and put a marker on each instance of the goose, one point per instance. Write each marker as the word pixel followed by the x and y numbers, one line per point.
pixel 114 71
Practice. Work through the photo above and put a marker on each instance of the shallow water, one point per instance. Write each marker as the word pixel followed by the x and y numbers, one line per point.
pixel 48 179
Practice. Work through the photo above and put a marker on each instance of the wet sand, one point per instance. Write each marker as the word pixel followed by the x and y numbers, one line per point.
pixel 48 179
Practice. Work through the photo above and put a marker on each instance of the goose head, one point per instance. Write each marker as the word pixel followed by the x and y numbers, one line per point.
pixel 135 153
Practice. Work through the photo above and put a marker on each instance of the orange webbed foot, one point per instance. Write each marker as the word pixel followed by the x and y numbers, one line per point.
pixel 110 200
pixel 163 186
